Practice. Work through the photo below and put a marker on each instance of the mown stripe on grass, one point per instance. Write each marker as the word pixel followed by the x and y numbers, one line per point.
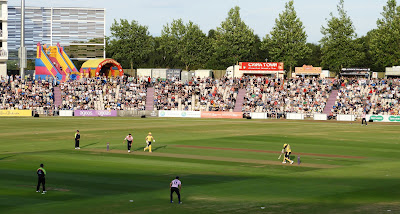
pixel 266 151
pixel 201 157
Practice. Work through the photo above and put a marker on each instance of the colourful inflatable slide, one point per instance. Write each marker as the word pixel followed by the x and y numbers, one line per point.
pixel 67 64
pixel 53 62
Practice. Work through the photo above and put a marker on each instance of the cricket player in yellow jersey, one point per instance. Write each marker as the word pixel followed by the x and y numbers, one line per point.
pixel 287 150
pixel 149 138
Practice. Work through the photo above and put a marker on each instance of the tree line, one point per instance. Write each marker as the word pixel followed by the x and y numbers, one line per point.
pixel 185 45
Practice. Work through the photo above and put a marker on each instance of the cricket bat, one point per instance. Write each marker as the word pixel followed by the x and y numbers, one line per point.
pixel 280 154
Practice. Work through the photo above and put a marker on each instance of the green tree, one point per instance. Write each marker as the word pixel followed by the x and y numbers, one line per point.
pixel 258 54
pixel 385 40
pixel 314 58
pixel 130 43
pixel 366 60
pixel 185 42
pixel 287 40
pixel 338 46
pixel 234 40
pixel 169 40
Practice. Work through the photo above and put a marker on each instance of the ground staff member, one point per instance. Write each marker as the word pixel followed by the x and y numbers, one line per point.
pixel 149 138
pixel 41 179
pixel 129 140
pixel 287 150
pixel 77 138
pixel 175 186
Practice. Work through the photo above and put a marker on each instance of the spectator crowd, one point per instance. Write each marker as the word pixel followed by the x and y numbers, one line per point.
pixel 279 96
pixel 103 94
pixel 196 95
pixel 261 94
pixel 357 96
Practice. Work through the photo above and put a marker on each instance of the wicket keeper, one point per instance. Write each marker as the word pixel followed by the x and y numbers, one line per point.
pixel 287 150
pixel 149 138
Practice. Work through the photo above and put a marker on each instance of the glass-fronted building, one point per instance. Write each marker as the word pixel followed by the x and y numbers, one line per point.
pixel 3 38
pixel 80 30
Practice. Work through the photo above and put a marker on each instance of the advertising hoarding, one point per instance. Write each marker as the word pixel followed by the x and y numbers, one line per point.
pixel 15 113
pixel 223 114
pixel 261 66
pixel 383 118
pixel 188 114
pixel 95 113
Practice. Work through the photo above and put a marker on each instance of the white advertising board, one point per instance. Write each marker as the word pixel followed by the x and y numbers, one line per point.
pixel 294 116
pixel 143 72
pixel 188 114
pixel 257 115
pixel 345 117
pixel 320 117
pixel 383 118
pixel 66 113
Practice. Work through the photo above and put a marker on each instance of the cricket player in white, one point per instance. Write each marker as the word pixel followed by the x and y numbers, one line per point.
pixel 129 140
pixel 175 186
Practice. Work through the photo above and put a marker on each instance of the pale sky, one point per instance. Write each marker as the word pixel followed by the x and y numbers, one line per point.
pixel 260 15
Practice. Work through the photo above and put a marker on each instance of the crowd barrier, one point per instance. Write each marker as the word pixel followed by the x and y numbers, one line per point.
pixel 345 117
pixel 383 118
pixel 188 114
pixel 320 117
pixel 15 113
pixel 294 116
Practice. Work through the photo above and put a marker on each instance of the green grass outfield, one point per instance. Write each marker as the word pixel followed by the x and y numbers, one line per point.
pixel 346 167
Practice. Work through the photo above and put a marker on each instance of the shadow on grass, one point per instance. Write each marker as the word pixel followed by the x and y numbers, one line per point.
pixel 153 148
pixel 3 158
pixel 160 147
pixel 90 144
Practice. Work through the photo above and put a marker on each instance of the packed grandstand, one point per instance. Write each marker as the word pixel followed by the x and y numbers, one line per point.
pixel 259 94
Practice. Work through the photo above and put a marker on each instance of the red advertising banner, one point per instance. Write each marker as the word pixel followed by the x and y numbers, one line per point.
pixel 261 66
pixel 221 114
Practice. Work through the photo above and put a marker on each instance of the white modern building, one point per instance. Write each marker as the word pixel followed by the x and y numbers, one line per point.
pixel 3 38
pixel 51 25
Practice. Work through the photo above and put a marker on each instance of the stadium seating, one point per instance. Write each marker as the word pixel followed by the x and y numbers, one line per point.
pixel 16 93
pixel 262 94
pixel 372 96
pixel 276 96
pixel 103 94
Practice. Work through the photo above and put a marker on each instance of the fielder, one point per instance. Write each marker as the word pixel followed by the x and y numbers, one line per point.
pixel 149 138
pixel 175 186
pixel 287 150
pixel 41 172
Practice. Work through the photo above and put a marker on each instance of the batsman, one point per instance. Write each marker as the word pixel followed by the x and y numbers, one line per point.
pixel 287 151
pixel 149 138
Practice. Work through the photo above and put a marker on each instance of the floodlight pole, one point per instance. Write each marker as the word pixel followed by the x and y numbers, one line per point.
pixel 22 50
